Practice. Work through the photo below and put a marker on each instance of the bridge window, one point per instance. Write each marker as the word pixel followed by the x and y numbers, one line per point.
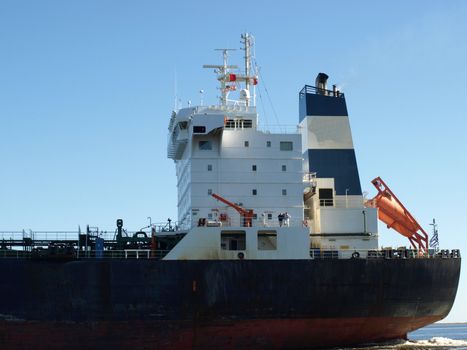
pixel 286 146
pixel 267 240
pixel 326 197
pixel 229 124
pixel 247 123
pixel 233 240
pixel 205 145
pixel 238 123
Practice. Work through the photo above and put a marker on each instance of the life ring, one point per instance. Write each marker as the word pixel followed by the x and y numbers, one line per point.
pixel 241 256
pixel 141 234
pixel 355 255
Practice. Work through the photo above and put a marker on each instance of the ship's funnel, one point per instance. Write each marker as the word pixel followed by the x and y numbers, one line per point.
pixel 320 83
pixel 326 137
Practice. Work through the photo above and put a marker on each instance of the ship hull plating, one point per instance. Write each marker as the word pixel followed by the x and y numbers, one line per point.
pixel 246 304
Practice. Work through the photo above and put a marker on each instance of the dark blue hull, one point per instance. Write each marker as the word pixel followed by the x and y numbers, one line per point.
pixel 206 304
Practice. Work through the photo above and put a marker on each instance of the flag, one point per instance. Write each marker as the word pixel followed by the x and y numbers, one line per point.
pixel 434 241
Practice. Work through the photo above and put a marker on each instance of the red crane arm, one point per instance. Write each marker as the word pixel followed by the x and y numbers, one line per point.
pixel 245 214
pixel 241 210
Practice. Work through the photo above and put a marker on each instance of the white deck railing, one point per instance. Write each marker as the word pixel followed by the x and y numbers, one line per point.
pixel 259 222
pixel 389 253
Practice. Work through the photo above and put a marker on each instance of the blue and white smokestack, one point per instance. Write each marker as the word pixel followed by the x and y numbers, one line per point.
pixel 326 137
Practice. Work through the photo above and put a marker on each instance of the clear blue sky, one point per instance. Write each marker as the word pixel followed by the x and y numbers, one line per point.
pixel 87 87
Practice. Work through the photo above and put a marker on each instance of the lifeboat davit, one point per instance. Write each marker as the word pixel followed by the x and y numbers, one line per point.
pixel 394 214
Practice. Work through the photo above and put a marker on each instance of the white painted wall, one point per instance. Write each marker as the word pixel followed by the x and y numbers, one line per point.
pixel 231 174
pixel 346 220
pixel 209 121
pixel 204 243
pixel 347 245
pixel 326 132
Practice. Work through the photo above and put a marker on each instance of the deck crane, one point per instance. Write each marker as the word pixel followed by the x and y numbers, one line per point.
pixel 394 214
pixel 246 215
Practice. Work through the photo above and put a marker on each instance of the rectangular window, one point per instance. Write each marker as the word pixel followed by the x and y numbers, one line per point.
pixel 255 216
pixel 284 168
pixel 209 167
pixel 267 240
pixel 229 124
pixel 254 192
pixel 269 216
pixel 209 191
pixel 233 240
pixel 205 145
pixel 199 129
pixel 253 167
pixel 210 216
pixel 247 144
pixel 326 197
pixel 247 123
pixel 268 143
pixel 284 192
pixel 286 146
pixel 238 123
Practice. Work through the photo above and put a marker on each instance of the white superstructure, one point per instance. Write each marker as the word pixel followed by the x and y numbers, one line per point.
pixel 218 150
pixel 225 154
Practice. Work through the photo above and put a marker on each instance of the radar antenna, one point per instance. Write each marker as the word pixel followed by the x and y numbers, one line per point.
pixel 228 79
pixel 224 76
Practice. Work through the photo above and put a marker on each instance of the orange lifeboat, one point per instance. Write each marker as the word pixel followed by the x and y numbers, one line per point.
pixel 393 213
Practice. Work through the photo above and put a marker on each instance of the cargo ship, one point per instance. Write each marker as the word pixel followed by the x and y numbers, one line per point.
pixel 275 246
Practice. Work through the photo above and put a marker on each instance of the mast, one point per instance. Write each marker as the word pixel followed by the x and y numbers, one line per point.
pixel 228 80
pixel 223 74
pixel 434 241
pixel 246 47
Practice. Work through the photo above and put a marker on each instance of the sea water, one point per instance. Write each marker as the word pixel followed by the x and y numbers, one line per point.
pixel 438 336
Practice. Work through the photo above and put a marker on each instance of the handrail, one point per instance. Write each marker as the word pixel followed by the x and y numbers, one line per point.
pixel 158 254
pixel 44 254
pixel 63 235
pixel 260 221
pixel 389 253
pixel 339 202
pixel 308 89
pixel 279 128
